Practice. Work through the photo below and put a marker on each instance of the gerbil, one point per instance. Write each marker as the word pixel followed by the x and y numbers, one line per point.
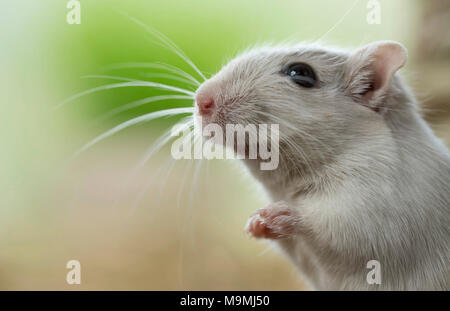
pixel 361 175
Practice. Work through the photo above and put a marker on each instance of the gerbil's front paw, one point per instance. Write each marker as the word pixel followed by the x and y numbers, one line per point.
pixel 276 221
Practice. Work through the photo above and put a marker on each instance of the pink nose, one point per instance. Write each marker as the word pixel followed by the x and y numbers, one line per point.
pixel 205 104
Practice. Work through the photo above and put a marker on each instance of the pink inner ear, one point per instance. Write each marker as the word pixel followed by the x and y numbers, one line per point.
pixel 387 59
pixel 381 73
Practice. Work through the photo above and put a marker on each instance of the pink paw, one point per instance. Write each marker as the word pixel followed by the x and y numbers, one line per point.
pixel 276 221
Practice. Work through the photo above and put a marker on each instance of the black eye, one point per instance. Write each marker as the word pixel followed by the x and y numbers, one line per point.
pixel 302 74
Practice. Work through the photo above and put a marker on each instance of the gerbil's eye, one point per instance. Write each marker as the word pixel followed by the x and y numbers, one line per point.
pixel 302 74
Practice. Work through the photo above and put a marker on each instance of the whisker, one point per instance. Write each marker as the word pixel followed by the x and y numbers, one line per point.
pixel 169 43
pixel 183 182
pixel 171 77
pixel 190 203
pixel 136 83
pixel 141 102
pixel 183 227
pixel 157 65
pixel 159 143
pixel 169 170
pixel 138 80
pixel 109 77
pixel 195 179
pixel 154 148
pixel 156 75
pixel 140 119
pixel 163 139
pixel 167 174
pixel 339 21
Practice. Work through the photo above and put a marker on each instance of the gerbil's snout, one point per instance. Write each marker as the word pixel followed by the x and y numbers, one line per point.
pixel 223 99
pixel 205 103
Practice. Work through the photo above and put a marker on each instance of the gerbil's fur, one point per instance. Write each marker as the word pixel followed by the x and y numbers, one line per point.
pixel 361 177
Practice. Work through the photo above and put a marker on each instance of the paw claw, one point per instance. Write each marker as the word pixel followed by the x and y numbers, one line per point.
pixel 272 222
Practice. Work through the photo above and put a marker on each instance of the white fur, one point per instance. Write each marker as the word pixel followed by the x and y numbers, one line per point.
pixel 367 185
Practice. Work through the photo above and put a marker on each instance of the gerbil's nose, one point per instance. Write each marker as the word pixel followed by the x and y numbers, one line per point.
pixel 205 104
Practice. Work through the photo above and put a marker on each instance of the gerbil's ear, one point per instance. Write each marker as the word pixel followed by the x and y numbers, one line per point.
pixel 370 70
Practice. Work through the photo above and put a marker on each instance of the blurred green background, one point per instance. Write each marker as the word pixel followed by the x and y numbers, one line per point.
pixel 176 225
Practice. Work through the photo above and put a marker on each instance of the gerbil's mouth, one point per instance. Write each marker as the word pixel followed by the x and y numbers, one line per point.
pixel 207 127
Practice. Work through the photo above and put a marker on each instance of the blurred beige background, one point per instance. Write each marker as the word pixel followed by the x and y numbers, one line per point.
pixel 177 225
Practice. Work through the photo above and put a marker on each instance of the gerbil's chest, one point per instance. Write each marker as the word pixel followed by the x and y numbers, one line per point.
pixel 310 266
pixel 320 267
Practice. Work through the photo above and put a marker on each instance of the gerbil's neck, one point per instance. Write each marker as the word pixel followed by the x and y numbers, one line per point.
pixel 290 179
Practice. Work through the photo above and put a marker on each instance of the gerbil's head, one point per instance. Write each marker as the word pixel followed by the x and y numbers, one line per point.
pixel 323 99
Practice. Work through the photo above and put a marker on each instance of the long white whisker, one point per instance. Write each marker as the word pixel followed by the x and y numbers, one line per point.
pixel 154 148
pixel 125 84
pixel 173 47
pixel 169 170
pixel 138 80
pixel 163 140
pixel 183 228
pixel 171 77
pixel 339 21
pixel 141 102
pixel 164 180
pixel 140 119
pixel 156 75
pixel 192 192
pixel 157 65
pixel 187 123
pixel 175 69
pixel 183 182
pixel 109 77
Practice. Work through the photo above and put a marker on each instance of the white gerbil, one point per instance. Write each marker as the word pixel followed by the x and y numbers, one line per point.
pixel 361 175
